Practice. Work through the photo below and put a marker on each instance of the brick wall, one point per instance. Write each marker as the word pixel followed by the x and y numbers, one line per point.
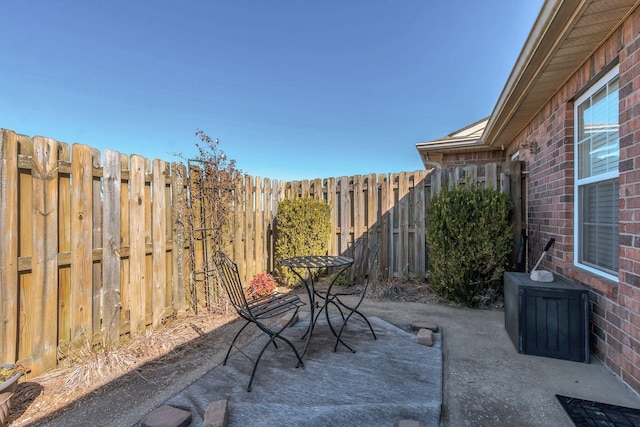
pixel 625 338
pixel 547 148
pixel 477 158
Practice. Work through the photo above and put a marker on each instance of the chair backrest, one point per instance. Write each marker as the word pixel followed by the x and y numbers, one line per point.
pixel 228 273
pixel 364 252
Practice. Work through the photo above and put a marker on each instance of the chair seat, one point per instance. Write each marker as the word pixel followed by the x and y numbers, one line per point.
pixel 273 305
pixel 346 290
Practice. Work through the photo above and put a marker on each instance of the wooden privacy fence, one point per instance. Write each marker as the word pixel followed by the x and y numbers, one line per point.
pixel 391 209
pixel 88 251
pixel 93 249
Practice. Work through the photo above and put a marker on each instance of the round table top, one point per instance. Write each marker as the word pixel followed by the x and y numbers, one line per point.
pixel 316 261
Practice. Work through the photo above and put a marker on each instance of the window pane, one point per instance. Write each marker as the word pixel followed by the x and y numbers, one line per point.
pixel 584 168
pixel 599 153
pixel 581 119
pixel 599 225
pixel 598 135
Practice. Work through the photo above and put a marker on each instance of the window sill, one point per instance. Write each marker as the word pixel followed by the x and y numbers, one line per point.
pixel 607 287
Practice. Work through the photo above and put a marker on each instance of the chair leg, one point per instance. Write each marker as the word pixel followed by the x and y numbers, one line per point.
pixel 255 365
pixel 272 338
pixel 353 310
pixel 368 323
pixel 277 335
pixel 339 334
pixel 234 341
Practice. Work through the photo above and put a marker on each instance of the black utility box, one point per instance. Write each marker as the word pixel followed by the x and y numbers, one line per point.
pixel 547 319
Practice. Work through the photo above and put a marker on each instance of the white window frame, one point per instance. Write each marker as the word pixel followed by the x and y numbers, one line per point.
pixel 613 73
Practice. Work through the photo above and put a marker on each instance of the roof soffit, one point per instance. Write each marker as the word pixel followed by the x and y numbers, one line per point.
pixel 564 36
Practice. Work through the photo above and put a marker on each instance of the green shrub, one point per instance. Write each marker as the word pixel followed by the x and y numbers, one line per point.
pixel 303 227
pixel 469 237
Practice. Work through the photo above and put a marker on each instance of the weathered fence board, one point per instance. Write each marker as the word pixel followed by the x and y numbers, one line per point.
pixel 137 247
pixel 159 230
pixel 9 237
pixel 111 268
pixel 178 222
pixel 64 244
pixel 44 258
pixel 81 291
pixel 125 242
pixel 96 245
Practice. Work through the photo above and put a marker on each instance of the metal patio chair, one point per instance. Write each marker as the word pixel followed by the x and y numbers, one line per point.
pixel 364 252
pixel 256 311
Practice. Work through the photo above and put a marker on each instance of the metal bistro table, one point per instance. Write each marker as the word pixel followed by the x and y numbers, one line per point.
pixel 311 262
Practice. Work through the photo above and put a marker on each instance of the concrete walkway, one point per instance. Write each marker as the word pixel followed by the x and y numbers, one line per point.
pixel 488 383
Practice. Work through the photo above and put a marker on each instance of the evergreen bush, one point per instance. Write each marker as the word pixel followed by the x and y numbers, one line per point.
pixel 469 236
pixel 303 227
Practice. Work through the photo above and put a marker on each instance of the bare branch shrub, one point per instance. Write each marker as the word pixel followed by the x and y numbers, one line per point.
pixel 211 195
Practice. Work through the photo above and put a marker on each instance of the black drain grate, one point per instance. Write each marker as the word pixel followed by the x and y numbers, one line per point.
pixel 590 413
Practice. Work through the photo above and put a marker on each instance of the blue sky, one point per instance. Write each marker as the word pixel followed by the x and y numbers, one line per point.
pixel 292 89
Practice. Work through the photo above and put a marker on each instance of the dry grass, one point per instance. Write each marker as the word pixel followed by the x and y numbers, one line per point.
pixel 85 367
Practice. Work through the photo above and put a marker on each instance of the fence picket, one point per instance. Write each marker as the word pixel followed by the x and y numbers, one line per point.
pixel 125 242
pixel 330 185
pixel 419 206
pixel 344 216
pixel 44 258
pixel 96 242
pixel 372 207
pixel 110 253
pixel 148 237
pixel 259 226
pixel 81 326
pixel 9 222
pixel 137 246
pixel 64 246
pixel 159 232
pixel 249 241
pixel 238 224
pixel 178 218
pixel 386 227
pixel 358 215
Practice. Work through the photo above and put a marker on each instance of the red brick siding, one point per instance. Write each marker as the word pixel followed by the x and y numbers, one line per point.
pixel 467 159
pixel 547 147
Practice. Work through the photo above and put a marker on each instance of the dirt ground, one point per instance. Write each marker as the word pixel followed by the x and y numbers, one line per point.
pixel 185 344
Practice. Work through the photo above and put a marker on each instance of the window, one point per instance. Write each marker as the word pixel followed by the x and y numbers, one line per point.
pixel 597 156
